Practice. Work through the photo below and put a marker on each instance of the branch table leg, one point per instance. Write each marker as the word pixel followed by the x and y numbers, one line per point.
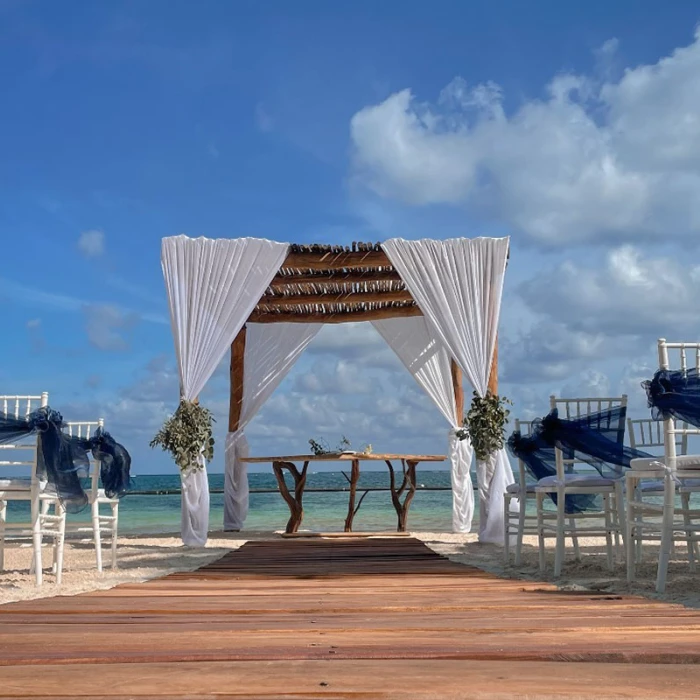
pixel 294 502
pixel 354 478
pixel 409 482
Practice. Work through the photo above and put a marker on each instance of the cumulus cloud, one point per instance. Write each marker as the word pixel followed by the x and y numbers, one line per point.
pixel 354 342
pixel 91 243
pixel 594 159
pixel 107 326
pixel 630 293
pixel 549 351
pixel 590 383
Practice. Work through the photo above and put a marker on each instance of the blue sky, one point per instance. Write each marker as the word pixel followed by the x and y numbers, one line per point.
pixel 571 127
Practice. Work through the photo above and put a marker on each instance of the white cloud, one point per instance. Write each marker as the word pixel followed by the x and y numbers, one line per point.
pixel 594 159
pixel 630 293
pixel 107 325
pixel 588 384
pixel 92 243
pixel 32 297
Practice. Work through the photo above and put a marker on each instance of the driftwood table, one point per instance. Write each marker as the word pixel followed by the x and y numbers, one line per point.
pixel 407 488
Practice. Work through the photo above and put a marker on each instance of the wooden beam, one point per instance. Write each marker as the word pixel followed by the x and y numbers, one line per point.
pixel 336 261
pixel 493 376
pixel 335 277
pixel 344 317
pixel 236 374
pixel 458 389
pixel 341 298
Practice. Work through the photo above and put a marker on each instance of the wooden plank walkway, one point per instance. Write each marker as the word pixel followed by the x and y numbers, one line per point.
pixel 346 618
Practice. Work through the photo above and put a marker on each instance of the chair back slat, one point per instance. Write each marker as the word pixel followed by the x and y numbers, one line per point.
pixel 23 453
pixel 647 432
pixel 83 430
pixel 675 437
pixel 574 408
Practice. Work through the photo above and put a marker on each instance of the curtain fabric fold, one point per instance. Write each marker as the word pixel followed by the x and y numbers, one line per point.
pixel 271 351
pixel 429 363
pixel 212 287
pixel 458 284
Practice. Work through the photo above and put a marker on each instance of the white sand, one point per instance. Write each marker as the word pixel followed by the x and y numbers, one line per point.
pixel 591 573
pixel 145 557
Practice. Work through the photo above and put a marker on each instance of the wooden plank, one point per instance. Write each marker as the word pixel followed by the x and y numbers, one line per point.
pixel 270 302
pixel 368 617
pixel 343 317
pixel 284 282
pixel 336 261
pixel 353 679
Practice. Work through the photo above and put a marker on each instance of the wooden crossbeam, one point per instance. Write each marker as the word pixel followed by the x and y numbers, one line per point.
pixel 343 317
pixel 335 277
pixel 336 261
pixel 272 301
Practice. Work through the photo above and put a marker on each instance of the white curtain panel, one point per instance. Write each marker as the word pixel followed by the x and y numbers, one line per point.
pixel 426 358
pixel 271 350
pixel 212 287
pixel 458 284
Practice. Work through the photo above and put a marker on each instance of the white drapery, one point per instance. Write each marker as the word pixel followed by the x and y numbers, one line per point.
pixel 212 286
pixel 271 350
pixel 458 284
pixel 426 358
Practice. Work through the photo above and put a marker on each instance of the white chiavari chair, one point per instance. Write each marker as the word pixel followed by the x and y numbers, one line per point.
pixel 102 523
pixel 521 523
pixel 567 482
pixel 680 474
pixel 22 457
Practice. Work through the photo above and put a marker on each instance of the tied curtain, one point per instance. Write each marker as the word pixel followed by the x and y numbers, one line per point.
pixel 212 287
pixel 271 350
pixel 429 363
pixel 458 285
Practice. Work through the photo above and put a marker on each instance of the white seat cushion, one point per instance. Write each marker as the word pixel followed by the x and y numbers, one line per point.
pixel 576 480
pixel 515 488
pixel 15 484
pixel 682 462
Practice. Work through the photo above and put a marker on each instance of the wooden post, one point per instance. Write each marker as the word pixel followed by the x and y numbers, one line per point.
pixel 458 391
pixel 493 376
pixel 354 478
pixel 236 374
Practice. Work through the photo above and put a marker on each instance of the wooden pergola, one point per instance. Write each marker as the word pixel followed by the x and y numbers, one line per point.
pixel 334 284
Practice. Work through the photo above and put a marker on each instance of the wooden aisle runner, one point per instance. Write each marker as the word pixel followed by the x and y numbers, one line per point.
pixel 341 618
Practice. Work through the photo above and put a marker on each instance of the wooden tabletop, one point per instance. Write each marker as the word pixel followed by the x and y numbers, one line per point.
pixel 346 457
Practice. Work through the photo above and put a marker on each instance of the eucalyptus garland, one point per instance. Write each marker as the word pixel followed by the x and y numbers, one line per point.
pixel 187 434
pixel 321 447
pixel 485 424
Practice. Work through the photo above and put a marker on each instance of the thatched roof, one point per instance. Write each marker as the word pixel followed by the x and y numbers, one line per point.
pixel 335 284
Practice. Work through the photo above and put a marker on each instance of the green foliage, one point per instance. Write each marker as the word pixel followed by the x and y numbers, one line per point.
pixel 321 447
pixel 485 424
pixel 186 435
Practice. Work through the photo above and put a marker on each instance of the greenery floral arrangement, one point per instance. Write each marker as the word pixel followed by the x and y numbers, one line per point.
pixel 321 447
pixel 187 434
pixel 485 424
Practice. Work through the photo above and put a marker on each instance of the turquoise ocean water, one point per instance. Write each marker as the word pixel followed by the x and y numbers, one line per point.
pixel 430 510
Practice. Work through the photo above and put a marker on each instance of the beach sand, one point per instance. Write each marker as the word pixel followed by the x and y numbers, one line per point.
pixel 142 557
